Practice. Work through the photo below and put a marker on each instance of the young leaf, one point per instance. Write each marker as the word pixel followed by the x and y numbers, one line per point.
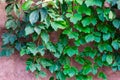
pixel 27 4
pixel 109 59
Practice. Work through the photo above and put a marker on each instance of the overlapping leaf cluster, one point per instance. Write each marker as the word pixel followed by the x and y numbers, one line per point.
pixel 78 22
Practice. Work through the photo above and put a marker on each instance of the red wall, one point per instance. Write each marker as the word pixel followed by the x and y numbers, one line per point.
pixel 13 68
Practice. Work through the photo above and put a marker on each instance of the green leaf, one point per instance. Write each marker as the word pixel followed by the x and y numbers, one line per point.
pixel 75 18
pixel 104 46
pixel 83 29
pixel 89 38
pixel 22 52
pixel 103 28
pixel 29 30
pixel 41 50
pixel 9 8
pixel 71 50
pixel 8 38
pixel 86 69
pixel 84 10
pixel 45 36
pixel 118 4
pixel 70 71
pixel 32 67
pixel 99 61
pixel 93 3
pixel 6 51
pixel 37 30
pixel 34 16
pixel 109 59
pixel 80 1
pixel 111 15
pixel 60 76
pixel 102 75
pixel 79 42
pixel 89 20
pixel 54 67
pixel 94 69
pixel 58 24
pixel 115 44
pixel 116 23
pixel 45 62
pixel 42 74
pixel 106 36
pixel 43 13
pixel 11 24
pixel 71 34
pixel 27 4
pixel 50 46
pixel 80 60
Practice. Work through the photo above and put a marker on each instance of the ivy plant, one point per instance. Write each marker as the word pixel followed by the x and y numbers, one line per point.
pixel 31 23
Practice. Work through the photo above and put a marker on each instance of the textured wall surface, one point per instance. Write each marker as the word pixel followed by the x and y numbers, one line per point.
pixel 13 68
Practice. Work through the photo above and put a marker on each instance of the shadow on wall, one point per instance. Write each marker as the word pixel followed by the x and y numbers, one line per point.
pixel 13 68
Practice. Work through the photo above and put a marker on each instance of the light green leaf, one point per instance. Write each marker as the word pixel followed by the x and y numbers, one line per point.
pixel 111 15
pixel 71 50
pixel 115 44
pixel 8 38
pixel 29 30
pixel 89 38
pixel 11 24
pixel 116 23
pixel 37 30
pixel 50 46
pixel 88 20
pixel 106 36
pixel 109 59
pixel 9 8
pixel 41 50
pixel 80 1
pixel 34 16
pixel 42 74
pixel 75 18
pixel 93 3
pixel 27 4
pixel 58 24
pixel 45 36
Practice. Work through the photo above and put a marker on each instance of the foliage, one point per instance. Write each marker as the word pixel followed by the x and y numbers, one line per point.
pixel 30 24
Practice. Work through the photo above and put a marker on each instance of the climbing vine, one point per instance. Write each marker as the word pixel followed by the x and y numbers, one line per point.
pixel 30 24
